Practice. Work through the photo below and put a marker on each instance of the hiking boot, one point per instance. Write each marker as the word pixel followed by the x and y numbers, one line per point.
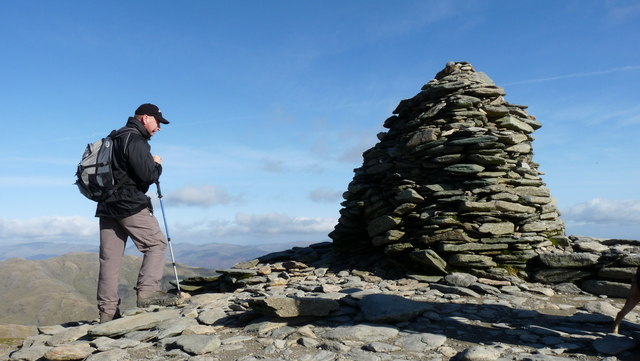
pixel 106 317
pixel 157 298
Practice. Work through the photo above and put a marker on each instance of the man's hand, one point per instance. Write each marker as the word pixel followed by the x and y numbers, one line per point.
pixel 157 159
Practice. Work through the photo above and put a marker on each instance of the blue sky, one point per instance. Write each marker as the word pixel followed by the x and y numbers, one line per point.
pixel 272 103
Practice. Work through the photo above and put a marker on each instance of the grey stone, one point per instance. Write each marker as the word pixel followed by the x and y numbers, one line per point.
pixel 68 335
pixel 69 352
pixel 463 101
pixel 460 279
pixel 391 236
pixel 589 318
pixel 236 339
pixel 485 289
pixel 478 206
pixel 361 332
pixel 463 291
pixel 497 229
pixel 430 259
pixel 601 307
pixel 322 355
pixel 519 148
pixel 473 140
pixel 308 342
pixel 559 275
pixel 294 307
pixel 512 123
pixel 211 316
pixel 382 224
pixel 198 344
pixel 464 169
pixel 30 353
pixel 487 159
pixel 238 272
pixel 409 196
pixel 128 324
pixel 611 289
pixel 513 207
pixel 422 342
pixel 625 274
pixel 381 347
pixel 111 355
pixel 213 300
pixel 614 345
pixel 489 91
pixel 459 248
pixel 594 247
pixel 386 308
pixel 480 353
pixel 451 235
pixel 423 136
pixel 121 343
pixel 569 260
pixel 471 260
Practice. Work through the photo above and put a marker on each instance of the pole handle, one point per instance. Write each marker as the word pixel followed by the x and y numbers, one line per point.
pixel 159 191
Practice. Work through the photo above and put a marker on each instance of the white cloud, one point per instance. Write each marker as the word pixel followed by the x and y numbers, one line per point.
pixel 54 227
pixel 258 228
pixel 200 196
pixel 325 195
pixel 281 223
pixel 603 211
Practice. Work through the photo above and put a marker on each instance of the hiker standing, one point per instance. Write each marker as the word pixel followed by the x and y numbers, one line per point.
pixel 128 213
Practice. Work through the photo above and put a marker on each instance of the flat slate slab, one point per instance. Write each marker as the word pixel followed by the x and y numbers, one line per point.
pixel 128 324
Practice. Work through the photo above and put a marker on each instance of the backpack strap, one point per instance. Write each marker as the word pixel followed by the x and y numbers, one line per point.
pixel 118 133
pixel 122 131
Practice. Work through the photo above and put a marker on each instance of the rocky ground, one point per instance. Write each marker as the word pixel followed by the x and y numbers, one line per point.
pixel 300 305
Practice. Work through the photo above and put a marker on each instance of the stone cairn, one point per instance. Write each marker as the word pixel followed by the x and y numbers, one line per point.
pixel 452 184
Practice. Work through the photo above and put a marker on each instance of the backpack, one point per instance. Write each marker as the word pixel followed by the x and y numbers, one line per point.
pixel 94 176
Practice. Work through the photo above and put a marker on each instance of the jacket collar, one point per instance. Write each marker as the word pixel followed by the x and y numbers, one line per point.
pixel 135 123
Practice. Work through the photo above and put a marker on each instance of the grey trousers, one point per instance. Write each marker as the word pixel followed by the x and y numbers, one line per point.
pixel 144 230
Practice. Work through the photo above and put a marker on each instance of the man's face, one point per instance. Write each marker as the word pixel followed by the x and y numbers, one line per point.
pixel 151 124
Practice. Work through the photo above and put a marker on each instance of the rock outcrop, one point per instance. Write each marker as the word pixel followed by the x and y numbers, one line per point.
pixel 452 184
pixel 310 304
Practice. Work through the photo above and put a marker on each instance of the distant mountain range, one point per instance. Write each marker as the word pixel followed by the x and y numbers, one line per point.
pixel 40 290
pixel 62 289
pixel 209 255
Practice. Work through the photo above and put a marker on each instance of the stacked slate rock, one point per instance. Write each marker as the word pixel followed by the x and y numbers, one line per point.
pixel 452 184
pixel 337 308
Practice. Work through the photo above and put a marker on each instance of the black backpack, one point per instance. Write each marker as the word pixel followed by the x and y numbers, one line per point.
pixel 94 176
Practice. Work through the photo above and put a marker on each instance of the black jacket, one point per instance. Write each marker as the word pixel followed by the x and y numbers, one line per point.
pixel 133 169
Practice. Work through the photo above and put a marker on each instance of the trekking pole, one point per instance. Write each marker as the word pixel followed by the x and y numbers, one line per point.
pixel 166 228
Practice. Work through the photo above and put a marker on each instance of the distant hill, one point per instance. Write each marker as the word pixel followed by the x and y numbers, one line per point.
pixel 55 290
pixel 209 255
pixel 62 289
pixel 224 255
pixel 43 250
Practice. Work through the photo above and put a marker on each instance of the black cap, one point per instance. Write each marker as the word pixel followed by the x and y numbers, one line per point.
pixel 152 110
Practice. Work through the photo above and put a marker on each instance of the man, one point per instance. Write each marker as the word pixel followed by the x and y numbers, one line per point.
pixel 128 213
